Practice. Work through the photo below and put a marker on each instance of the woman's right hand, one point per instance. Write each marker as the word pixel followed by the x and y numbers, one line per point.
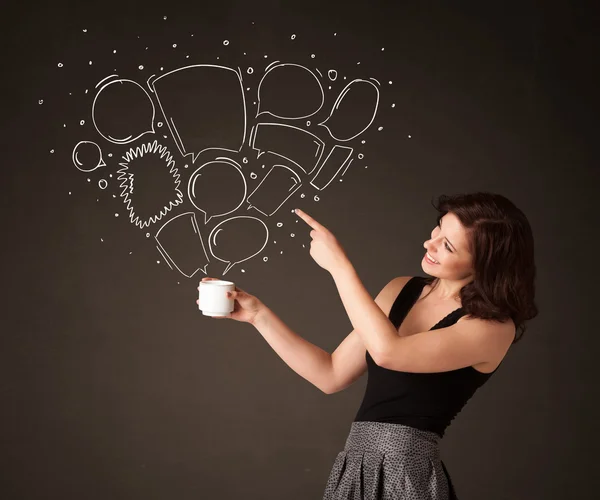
pixel 245 306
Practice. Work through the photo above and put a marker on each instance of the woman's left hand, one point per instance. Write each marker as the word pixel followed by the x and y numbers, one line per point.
pixel 324 247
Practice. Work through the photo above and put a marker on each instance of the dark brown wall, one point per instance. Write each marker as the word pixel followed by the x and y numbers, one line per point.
pixel 114 385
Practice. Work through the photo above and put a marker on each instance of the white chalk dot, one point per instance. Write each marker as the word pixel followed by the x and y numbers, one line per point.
pixel 409 136
pixel 380 129
pixel 165 18
pixel 293 37
pixel 363 141
pixel 187 57
pixel 64 125
pixel 279 224
pixel 52 151
pixel 247 88
pixel 140 67
pixel 174 45
pixel 85 30
pixel 81 122
pixel 101 240
pixel 158 261
pixel 41 101
pixel 60 65
pixel 114 51
pixel 253 175
pixel 335 34
pixel 358 62
pixel 292 235
pixel 226 42
pixel 390 82
pixel 394 105
pixel 88 180
pixel 110 154
pixel 159 124
pixel 265 56
pixel 265 259
pixel 361 156
pixel 302 195
pixel 312 56
pixel 250 71
pixel 161 68
pixel 382 48
pixel 308 123
pixel 147 235
pixel 69 192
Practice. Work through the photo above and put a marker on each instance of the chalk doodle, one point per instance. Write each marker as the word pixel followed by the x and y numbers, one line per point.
pixel 87 156
pixel 110 98
pixel 180 243
pixel 197 119
pixel 256 155
pixel 142 161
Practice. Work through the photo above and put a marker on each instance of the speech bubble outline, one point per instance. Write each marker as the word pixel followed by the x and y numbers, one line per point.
pixel 194 176
pixel 338 102
pixel 170 123
pixel 274 67
pixel 168 258
pixel 79 165
pixel 214 233
pixel 130 138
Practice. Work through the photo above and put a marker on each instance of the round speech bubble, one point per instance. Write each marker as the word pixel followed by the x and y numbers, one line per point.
pixel 117 99
pixel 217 188
pixel 87 156
pixel 353 111
pixel 289 91
pixel 238 239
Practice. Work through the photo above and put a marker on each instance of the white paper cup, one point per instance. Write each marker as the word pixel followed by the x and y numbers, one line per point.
pixel 212 298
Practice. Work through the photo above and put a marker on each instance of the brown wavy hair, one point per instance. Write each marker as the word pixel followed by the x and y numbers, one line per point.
pixel 501 242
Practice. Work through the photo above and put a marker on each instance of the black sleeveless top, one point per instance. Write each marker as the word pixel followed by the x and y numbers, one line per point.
pixel 427 401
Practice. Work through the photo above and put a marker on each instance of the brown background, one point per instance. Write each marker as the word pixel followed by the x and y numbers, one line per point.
pixel 114 386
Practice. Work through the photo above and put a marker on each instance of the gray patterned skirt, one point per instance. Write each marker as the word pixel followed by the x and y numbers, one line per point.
pixel 383 461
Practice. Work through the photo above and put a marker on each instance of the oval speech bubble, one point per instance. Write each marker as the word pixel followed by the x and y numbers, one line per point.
pixel 353 111
pixel 238 239
pixel 117 99
pixel 87 156
pixel 290 91
pixel 217 188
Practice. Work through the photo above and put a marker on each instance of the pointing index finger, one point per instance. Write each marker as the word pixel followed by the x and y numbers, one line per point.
pixel 309 220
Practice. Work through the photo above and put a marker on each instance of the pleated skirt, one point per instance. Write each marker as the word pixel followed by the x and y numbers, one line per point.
pixel 383 461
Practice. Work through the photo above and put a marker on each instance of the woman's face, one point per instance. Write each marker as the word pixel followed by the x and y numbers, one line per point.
pixel 449 247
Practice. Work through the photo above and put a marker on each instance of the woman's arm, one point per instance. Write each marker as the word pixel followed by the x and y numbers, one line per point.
pixel 307 360
pixel 328 372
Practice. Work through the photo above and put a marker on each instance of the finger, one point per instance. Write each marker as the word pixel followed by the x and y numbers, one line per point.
pixel 309 220
pixel 197 301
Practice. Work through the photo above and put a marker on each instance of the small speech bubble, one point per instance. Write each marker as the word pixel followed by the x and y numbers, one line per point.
pixel 238 239
pixel 290 91
pixel 353 111
pixel 87 156
pixel 117 99
pixel 217 188
pixel 274 189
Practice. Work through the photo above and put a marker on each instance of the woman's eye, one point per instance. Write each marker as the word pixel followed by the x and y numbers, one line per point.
pixel 447 247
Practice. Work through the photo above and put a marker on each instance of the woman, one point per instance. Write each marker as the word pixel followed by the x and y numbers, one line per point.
pixel 428 343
